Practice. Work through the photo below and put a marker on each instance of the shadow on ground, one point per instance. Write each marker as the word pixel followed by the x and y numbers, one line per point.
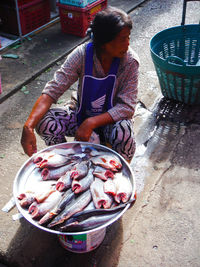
pixel 50 252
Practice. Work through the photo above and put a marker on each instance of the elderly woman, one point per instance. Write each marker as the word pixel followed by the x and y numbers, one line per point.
pixel 107 71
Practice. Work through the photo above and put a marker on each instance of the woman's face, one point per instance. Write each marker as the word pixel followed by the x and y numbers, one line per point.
pixel 119 46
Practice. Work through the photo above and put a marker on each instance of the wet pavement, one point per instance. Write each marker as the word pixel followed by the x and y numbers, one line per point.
pixel 162 227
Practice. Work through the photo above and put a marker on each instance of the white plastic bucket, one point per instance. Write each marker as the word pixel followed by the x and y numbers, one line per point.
pixel 84 242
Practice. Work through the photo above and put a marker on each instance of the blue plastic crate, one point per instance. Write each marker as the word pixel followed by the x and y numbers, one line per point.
pixel 77 3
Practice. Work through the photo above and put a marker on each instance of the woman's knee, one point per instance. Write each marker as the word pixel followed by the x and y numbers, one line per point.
pixel 123 131
pixel 44 123
pixel 122 139
pixel 53 123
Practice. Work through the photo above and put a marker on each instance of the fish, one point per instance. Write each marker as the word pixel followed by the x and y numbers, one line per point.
pixel 123 188
pixel 67 197
pixel 37 210
pixel 56 173
pixel 103 173
pixel 89 223
pixel 91 210
pixel 107 161
pixel 73 207
pixel 50 160
pixel 41 196
pixel 26 199
pixel 64 182
pixel 110 187
pixel 79 186
pixel 90 151
pixel 85 220
pixel 40 157
pixel 80 170
pixel 29 196
pixel 58 157
pixel 70 151
pixel 100 198
pixel 90 206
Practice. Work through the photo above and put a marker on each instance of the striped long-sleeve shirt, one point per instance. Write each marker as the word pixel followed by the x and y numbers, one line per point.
pixel 126 86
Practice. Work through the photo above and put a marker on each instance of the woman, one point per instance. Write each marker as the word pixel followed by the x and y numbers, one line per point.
pixel 107 70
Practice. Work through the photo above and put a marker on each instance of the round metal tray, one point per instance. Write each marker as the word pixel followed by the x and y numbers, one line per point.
pixel 29 176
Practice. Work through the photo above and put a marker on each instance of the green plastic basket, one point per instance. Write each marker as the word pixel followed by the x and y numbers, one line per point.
pixel 176 56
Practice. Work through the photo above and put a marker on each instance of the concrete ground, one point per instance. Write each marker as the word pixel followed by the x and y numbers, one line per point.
pixel 162 227
pixel 42 52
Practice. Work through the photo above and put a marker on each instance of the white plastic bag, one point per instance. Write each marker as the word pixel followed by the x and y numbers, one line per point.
pixel 94 138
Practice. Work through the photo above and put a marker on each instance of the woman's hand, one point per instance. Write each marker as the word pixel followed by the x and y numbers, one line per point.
pixel 84 131
pixel 28 141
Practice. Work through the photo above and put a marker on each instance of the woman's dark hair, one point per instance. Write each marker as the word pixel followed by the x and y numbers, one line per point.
pixel 107 24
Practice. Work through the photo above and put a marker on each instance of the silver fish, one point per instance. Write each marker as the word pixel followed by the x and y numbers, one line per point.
pixel 110 187
pixel 108 161
pixel 103 173
pixel 50 160
pixel 64 182
pixel 55 174
pixel 123 188
pixel 79 186
pixel 90 206
pixel 100 198
pixel 39 158
pixel 75 206
pixel 37 210
pixel 29 196
pixel 26 199
pixel 67 197
pixel 91 210
pixel 89 223
pixel 80 170
pixel 73 150
pixel 40 197
pixel 90 151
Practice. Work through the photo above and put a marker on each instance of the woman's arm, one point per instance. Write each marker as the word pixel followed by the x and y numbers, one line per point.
pixel 63 79
pixel 127 88
pixel 28 139
pixel 70 71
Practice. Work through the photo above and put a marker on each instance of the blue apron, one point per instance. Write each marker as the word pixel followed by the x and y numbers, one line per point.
pixel 97 93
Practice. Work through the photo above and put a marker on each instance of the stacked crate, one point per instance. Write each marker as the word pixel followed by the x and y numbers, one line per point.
pixel 77 3
pixel 76 15
pixel 32 14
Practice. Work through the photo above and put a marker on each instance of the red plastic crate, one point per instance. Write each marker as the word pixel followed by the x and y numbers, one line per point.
pixel 23 2
pixel 33 14
pixel 11 3
pixel 75 20
pixel 77 3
